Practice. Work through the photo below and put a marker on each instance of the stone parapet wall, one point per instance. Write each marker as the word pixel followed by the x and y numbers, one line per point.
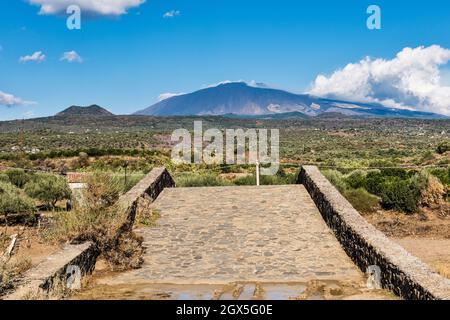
pixel 149 187
pixel 401 273
pixel 50 277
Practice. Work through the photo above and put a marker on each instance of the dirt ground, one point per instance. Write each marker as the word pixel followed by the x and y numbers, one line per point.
pixel 426 234
pixel 427 223
pixel 29 244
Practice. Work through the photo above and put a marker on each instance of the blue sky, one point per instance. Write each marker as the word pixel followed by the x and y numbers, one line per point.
pixel 128 60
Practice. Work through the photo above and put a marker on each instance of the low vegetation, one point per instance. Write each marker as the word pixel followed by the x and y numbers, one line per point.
pixel 392 189
pixel 10 271
pixel 100 219
pixel 14 200
pixel 48 188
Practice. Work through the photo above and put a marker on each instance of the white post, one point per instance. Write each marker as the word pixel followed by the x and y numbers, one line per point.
pixel 257 172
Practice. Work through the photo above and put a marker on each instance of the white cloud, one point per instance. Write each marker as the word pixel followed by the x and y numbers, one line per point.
pixel 9 100
pixel 71 56
pixel 99 7
pixel 164 96
pixel 172 14
pixel 412 80
pixel 38 57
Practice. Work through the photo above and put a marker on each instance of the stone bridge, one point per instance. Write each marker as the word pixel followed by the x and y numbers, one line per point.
pixel 300 241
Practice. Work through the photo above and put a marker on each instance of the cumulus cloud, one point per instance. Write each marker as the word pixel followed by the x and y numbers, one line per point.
pixel 99 7
pixel 411 80
pixel 38 57
pixel 9 100
pixel 172 14
pixel 71 56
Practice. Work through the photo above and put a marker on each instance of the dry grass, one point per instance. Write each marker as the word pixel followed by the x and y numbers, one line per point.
pixel 145 214
pixel 100 219
pixel 10 271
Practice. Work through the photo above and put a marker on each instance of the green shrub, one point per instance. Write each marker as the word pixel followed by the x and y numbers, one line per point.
pixel 199 180
pixel 356 179
pixel 374 182
pixel 337 179
pixel 4 177
pixel 48 188
pixel 13 200
pixel 278 179
pixel 443 147
pixel 400 195
pixel 362 200
pixel 18 177
pixel 442 174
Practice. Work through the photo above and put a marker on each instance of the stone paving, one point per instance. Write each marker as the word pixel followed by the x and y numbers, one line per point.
pixel 221 235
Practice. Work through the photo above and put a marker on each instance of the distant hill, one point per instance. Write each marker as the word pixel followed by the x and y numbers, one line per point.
pixel 241 99
pixel 92 111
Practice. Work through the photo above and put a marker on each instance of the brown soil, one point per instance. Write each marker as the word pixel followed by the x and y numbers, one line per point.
pixel 434 252
pixel 425 235
pixel 233 176
pixel 429 223
pixel 29 243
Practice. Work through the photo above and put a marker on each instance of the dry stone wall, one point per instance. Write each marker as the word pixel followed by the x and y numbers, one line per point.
pixel 401 273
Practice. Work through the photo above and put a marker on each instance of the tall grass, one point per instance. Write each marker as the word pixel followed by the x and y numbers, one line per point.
pixel 100 219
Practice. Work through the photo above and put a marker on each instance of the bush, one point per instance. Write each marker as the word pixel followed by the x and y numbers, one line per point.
pixel 102 220
pixel 374 182
pixel 102 189
pixel 337 179
pixel 18 177
pixel 356 179
pixel 443 147
pixel 199 180
pixel 442 175
pixel 430 188
pixel 400 195
pixel 48 188
pixel 362 200
pixel 83 160
pixel 278 179
pixel 13 200
pixel 4 177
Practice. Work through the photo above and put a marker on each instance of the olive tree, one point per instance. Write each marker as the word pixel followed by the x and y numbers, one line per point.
pixel 48 188
pixel 18 177
pixel 13 200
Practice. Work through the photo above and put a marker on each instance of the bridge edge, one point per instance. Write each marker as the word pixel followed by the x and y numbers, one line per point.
pixel 401 273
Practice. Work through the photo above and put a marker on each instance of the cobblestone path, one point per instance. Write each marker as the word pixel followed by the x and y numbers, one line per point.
pixel 267 242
